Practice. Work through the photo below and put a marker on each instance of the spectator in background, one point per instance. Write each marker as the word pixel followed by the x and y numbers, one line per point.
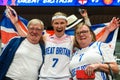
pixel 92 56
pixel 22 57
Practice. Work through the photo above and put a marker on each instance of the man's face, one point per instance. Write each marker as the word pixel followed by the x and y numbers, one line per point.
pixel 59 25
pixel 35 32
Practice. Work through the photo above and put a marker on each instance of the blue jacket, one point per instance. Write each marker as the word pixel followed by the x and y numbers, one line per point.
pixel 8 53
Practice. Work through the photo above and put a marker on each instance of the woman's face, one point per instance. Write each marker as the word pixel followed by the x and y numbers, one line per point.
pixel 83 36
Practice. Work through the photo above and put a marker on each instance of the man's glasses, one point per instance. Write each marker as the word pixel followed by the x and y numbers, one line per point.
pixel 36 29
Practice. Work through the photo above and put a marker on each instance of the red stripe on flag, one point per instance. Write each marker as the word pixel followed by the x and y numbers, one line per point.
pixel 100 34
pixel 22 26
pixel 7 36
pixel 51 32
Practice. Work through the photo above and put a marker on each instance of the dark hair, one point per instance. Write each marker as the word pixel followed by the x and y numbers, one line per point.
pixel 91 31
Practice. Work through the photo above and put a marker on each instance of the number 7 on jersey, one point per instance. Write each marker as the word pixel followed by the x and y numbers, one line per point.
pixel 55 60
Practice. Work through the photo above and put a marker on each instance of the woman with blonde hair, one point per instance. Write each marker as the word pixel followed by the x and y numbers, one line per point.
pixel 92 56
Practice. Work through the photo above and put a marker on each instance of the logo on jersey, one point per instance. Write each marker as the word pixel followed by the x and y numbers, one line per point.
pixel 82 1
pixel 107 2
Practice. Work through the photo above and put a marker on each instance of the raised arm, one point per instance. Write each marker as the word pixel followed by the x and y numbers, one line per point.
pixel 84 14
pixel 113 24
pixel 12 15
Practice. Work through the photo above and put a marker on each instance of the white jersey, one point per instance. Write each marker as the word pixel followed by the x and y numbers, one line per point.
pixel 96 53
pixel 57 58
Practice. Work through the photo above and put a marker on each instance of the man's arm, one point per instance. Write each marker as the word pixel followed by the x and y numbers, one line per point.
pixel 20 27
pixel 84 14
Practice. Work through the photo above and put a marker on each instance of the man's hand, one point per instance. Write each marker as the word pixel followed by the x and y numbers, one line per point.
pixel 11 14
pixel 84 13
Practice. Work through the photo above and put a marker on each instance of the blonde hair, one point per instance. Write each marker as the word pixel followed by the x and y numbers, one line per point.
pixel 59 15
pixel 36 21
pixel 79 26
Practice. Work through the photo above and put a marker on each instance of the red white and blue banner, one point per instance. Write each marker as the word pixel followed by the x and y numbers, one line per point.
pixel 8 31
pixel 60 2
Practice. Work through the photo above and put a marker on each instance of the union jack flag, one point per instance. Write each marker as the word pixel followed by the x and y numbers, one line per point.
pixel 8 31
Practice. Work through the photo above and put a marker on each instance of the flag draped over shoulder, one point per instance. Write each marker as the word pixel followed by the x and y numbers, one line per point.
pixel 112 37
pixel 99 30
pixel 8 31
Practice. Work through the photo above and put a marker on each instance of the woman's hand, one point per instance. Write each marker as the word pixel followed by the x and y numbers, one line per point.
pixel 90 69
pixel 114 24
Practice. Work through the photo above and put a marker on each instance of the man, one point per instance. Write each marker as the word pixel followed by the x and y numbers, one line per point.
pixel 58 51
pixel 22 58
